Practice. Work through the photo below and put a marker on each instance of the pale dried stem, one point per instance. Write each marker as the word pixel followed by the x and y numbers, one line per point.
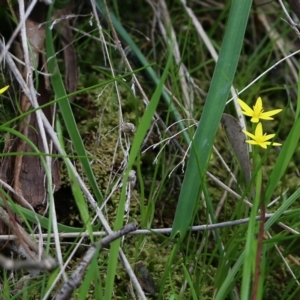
pixel 274 36
pixel 148 231
pixel 56 142
pixel 135 80
pixel 47 264
pixel 296 262
pixel 89 197
pixel 25 204
pixel 16 31
pixel 264 73
pixel 31 95
pixel 34 102
pixel 127 266
pixel 224 197
pixel 69 258
pixel 85 34
pixel 168 33
pixel 237 196
pixel 290 20
pixel 11 225
pixel 126 147
pixel 76 277
pixel 202 34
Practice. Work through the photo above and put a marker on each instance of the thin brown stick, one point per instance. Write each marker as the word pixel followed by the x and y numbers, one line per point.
pixel 76 278
pixel 18 230
pixel 47 264
pixel 15 227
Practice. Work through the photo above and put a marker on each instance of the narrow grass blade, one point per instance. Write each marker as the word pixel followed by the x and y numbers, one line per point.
pixel 88 278
pixel 66 110
pixel 211 116
pixel 190 282
pixel 284 158
pixel 77 193
pixel 149 70
pixel 138 140
pixel 34 217
pixel 298 98
pixel 230 279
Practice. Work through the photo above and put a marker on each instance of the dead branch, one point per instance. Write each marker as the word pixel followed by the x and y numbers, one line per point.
pixel 46 264
pixel 76 278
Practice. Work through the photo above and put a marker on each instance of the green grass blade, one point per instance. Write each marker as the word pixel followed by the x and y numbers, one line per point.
pixel 78 195
pixel 88 278
pixel 151 73
pixel 66 110
pixel 44 221
pixel 190 282
pixel 211 116
pixel 138 140
pixel 298 98
pixel 229 281
pixel 284 158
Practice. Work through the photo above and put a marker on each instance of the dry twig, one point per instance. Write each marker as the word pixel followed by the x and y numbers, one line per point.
pixel 75 279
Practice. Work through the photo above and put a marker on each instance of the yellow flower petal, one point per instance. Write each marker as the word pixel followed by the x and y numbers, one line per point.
pixel 246 109
pixel 258 108
pixel 267 115
pixel 268 137
pixel 257 112
pixel 4 89
pixel 276 144
pixel 263 145
pixel 244 105
pixel 258 130
pixel 259 138
pixel 254 120
pixel 252 136
pixel 251 142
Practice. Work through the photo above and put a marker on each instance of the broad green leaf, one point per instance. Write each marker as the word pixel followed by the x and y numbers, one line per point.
pixel 214 106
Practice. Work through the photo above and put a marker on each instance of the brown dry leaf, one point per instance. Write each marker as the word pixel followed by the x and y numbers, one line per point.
pixel 63 27
pixel 237 140
pixel 145 279
pixel 26 173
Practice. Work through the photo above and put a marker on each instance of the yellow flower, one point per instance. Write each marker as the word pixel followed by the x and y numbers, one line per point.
pixel 257 112
pixel 259 138
pixel 4 89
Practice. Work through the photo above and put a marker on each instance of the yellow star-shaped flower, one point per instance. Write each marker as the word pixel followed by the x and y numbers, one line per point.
pixel 4 89
pixel 257 112
pixel 259 138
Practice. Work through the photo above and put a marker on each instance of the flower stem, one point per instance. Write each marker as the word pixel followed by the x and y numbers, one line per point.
pixel 253 227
